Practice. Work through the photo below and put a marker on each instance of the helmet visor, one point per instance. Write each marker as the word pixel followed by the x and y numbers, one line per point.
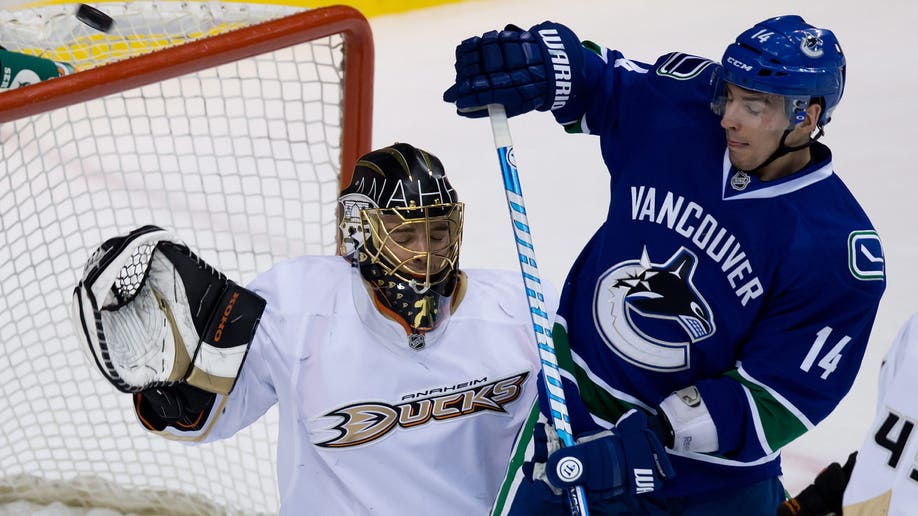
pixel 794 106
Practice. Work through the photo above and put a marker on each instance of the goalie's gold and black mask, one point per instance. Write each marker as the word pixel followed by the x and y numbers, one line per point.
pixel 401 225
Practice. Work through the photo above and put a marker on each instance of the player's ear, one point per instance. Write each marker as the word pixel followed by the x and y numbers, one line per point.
pixel 813 112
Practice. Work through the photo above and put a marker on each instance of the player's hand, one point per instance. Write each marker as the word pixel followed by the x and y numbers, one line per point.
pixel 628 460
pixel 523 70
pixel 179 405
pixel 824 496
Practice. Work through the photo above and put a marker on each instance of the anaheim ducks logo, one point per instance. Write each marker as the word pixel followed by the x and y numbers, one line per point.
pixel 362 423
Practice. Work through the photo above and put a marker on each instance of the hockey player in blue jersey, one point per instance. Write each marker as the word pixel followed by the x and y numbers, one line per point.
pixel 723 307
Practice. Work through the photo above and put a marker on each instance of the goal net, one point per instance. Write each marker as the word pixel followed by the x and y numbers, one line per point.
pixel 230 124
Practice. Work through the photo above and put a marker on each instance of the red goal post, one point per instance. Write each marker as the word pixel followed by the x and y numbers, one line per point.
pixel 233 125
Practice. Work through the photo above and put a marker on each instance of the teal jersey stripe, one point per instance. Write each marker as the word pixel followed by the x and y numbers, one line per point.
pixel 517 458
pixel 779 425
pixel 598 401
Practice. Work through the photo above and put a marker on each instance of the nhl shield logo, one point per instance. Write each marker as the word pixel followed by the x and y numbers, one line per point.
pixel 416 341
pixel 740 181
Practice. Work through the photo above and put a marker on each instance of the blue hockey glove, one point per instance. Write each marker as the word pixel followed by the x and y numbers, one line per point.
pixel 628 460
pixel 541 68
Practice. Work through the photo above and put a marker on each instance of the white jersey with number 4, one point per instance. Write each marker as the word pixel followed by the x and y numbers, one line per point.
pixel 885 476
pixel 369 425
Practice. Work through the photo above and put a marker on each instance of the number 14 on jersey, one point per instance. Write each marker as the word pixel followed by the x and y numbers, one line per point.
pixel 829 361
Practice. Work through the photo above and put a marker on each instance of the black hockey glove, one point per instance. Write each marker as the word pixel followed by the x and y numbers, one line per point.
pixel 151 313
pixel 181 406
pixel 825 495
pixel 627 461
pixel 541 69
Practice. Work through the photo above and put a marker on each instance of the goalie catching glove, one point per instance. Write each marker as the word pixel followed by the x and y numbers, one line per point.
pixel 153 314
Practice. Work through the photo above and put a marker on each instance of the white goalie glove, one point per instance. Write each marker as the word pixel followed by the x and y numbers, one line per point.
pixel 153 314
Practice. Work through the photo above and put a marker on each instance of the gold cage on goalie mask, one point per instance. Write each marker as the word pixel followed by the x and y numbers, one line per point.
pixel 419 246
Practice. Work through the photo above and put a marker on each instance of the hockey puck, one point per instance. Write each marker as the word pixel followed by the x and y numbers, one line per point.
pixel 94 18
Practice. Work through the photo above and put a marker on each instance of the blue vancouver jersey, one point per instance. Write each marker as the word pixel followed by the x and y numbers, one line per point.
pixel 760 294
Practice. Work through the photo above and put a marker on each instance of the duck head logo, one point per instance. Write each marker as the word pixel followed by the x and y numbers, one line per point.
pixel 650 313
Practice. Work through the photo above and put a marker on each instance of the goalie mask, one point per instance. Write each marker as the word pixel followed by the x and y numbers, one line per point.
pixel 401 225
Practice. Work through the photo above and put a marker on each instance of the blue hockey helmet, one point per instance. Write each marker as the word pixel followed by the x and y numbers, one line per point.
pixel 789 57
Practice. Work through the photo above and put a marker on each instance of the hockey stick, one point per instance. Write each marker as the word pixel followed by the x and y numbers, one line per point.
pixel 533 283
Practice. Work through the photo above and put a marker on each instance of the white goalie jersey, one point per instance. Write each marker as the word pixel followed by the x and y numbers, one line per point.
pixel 885 475
pixel 369 425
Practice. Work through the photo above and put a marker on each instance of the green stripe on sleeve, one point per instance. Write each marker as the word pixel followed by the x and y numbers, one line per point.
pixel 779 424
pixel 599 402
pixel 517 457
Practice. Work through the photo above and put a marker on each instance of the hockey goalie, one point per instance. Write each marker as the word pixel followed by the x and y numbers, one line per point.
pixel 401 380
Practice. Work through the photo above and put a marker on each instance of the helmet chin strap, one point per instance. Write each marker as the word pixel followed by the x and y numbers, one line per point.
pixel 783 149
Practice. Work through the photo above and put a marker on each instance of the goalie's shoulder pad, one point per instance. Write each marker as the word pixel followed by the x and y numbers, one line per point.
pixel 150 312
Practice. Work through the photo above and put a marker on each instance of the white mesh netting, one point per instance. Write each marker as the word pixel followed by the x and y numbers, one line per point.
pixel 240 161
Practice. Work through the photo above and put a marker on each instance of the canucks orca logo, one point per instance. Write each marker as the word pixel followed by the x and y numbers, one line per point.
pixel 649 314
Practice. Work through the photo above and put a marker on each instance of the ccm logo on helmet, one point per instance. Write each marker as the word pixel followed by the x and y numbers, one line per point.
pixel 226 312
pixel 739 64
